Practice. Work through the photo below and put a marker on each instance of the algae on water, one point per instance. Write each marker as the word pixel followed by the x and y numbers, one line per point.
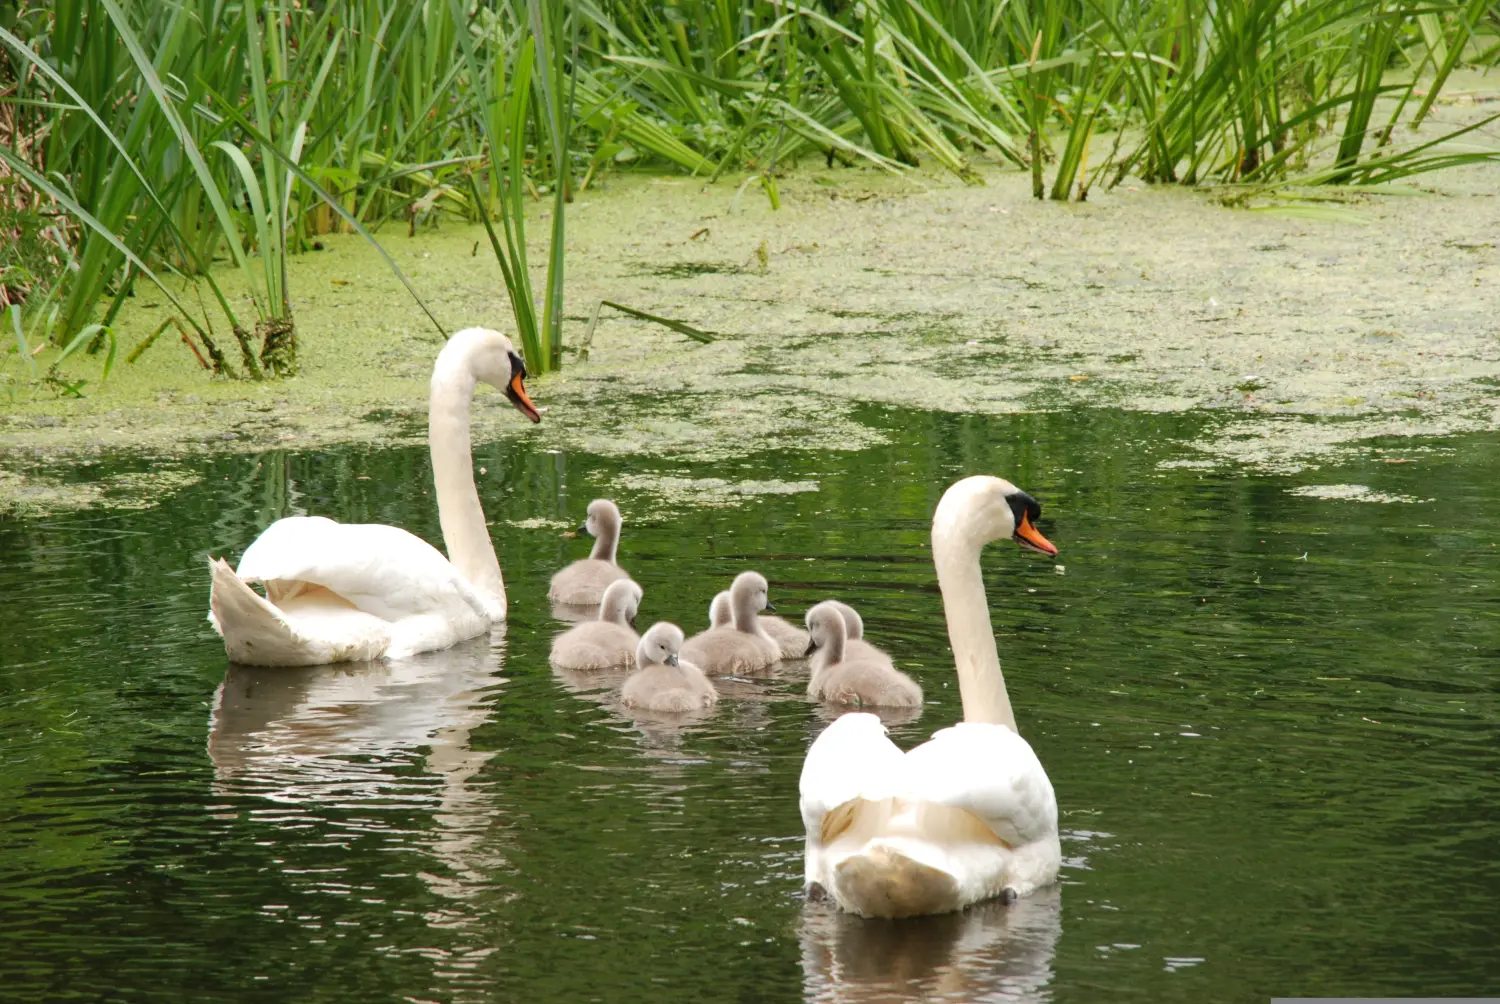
pixel 1303 336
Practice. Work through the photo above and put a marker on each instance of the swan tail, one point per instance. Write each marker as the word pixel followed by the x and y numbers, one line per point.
pixel 886 881
pixel 256 632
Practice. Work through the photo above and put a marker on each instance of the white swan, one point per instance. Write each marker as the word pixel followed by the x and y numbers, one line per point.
pixel 337 592
pixel 969 814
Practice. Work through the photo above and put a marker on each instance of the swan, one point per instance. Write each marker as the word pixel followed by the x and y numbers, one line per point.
pixel 583 582
pixel 607 643
pixel 664 681
pixel 340 592
pixel 855 645
pixel 848 677
pixel 741 649
pixel 969 814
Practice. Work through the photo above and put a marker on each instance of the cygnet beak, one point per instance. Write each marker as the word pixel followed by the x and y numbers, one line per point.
pixel 671 660
pixel 770 606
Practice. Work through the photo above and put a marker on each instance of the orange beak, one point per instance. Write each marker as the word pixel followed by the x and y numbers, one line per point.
pixel 1029 537
pixel 516 391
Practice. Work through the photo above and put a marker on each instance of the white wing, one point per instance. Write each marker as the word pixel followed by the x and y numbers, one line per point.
pixel 853 758
pixel 382 570
pixel 989 771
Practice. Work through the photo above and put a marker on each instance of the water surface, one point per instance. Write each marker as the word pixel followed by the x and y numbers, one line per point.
pixel 1271 720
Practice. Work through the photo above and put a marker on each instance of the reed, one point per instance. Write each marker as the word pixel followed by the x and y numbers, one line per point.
pixel 179 137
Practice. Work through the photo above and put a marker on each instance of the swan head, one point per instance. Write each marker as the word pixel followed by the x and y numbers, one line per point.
pixel 980 509
pixel 660 644
pixel 621 602
pixel 603 517
pixel 751 588
pixel 720 612
pixel 491 358
pixel 826 627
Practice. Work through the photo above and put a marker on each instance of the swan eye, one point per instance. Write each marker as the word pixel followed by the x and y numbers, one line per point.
pixel 1022 507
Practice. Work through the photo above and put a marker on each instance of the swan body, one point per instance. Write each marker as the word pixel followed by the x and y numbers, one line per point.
pixel 583 582
pixel 846 677
pixel 336 592
pixel 606 643
pixel 966 816
pixel 855 646
pixel 740 649
pixel 663 681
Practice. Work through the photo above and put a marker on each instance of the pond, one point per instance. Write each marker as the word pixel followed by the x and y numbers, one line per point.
pixel 1268 704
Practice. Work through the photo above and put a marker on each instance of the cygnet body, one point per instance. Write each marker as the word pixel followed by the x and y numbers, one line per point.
pixel 845 678
pixel 855 647
pixel 607 643
pixel 720 613
pixel 741 648
pixel 789 639
pixel 583 582
pixel 662 680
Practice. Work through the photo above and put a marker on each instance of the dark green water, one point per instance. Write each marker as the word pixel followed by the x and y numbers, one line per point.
pixel 1273 724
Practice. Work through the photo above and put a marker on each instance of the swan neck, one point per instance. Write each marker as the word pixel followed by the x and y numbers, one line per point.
pixel 465 534
pixel 981 685
pixel 746 617
pixel 608 541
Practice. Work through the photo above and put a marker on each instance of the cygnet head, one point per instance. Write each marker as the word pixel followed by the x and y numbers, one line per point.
pixel 980 509
pixel 488 356
pixel 854 624
pixel 751 588
pixel 720 612
pixel 603 517
pixel 826 628
pixel 660 644
pixel 621 602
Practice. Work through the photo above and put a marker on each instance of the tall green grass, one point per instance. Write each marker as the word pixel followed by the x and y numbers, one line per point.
pixel 186 136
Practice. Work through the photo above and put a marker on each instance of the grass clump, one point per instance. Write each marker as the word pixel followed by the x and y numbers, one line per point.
pixel 178 137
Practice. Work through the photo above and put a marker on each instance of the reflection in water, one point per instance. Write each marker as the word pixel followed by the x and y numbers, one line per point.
pixel 990 952
pixel 661 732
pixel 371 752
pixel 890 717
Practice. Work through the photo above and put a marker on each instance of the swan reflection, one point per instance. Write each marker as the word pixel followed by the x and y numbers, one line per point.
pixel 362 752
pixel 990 952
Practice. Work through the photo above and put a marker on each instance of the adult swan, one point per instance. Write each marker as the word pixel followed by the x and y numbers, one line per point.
pixel 968 815
pixel 338 592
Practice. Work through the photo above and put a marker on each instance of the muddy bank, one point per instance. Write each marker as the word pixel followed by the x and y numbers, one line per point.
pixel 1306 331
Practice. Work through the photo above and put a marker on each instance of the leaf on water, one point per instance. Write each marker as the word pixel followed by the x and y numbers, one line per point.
pixel 695 334
pixel 1331 214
